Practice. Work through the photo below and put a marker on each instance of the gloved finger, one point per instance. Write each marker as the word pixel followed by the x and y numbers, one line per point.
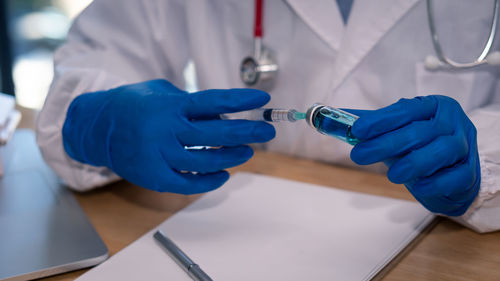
pixel 211 103
pixel 376 122
pixel 455 186
pixel 443 152
pixel 225 132
pixel 397 142
pixel 443 205
pixel 189 183
pixel 212 160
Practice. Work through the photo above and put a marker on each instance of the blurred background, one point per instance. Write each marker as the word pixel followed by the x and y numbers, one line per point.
pixel 30 31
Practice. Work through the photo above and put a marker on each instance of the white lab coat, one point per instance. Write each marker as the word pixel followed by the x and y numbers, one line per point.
pixel 372 62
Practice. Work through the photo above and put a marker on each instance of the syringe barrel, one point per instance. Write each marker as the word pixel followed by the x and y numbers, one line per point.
pixel 277 115
pixel 255 115
pixel 264 114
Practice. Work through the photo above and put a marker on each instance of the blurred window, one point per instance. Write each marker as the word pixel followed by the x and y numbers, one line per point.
pixel 37 28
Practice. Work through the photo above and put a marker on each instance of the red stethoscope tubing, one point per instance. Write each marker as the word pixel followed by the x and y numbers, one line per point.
pixel 258 29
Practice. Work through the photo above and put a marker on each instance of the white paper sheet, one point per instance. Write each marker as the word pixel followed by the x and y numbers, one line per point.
pixel 263 228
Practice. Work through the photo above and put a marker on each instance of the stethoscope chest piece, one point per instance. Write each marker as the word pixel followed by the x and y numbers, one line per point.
pixel 259 71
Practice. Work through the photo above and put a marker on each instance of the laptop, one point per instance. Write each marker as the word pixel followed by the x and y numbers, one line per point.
pixel 43 230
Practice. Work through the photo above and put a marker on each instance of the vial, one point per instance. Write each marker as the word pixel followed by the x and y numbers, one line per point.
pixel 332 122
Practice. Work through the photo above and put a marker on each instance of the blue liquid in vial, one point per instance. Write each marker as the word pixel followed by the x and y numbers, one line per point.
pixel 336 123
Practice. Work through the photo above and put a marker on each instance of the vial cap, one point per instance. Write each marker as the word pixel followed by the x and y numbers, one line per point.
pixel 311 112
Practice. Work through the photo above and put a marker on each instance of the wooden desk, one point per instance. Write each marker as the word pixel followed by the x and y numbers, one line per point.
pixel 122 212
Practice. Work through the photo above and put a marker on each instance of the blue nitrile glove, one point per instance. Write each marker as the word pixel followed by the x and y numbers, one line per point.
pixel 140 132
pixel 429 144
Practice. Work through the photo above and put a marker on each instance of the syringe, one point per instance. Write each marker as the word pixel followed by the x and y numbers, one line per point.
pixel 325 119
pixel 268 114
pixel 260 114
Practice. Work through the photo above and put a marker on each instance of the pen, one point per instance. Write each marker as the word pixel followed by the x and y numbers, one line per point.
pixel 191 268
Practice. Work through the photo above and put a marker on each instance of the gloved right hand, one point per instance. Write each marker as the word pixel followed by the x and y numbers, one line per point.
pixel 429 145
pixel 140 132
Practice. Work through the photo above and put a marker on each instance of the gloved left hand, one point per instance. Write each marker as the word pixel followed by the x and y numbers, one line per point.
pixel 429 145
pixel 140 132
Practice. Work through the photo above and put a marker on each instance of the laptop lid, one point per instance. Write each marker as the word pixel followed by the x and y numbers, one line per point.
pixel 43 230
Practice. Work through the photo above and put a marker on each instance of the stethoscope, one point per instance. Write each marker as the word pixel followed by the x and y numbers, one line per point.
pixel 441 61
pixel 261 69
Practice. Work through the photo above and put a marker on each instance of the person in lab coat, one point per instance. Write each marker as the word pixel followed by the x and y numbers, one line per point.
pixel 116 107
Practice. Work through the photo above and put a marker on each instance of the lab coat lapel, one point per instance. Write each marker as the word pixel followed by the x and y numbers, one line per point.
pixel 369 21
pixel 323 17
